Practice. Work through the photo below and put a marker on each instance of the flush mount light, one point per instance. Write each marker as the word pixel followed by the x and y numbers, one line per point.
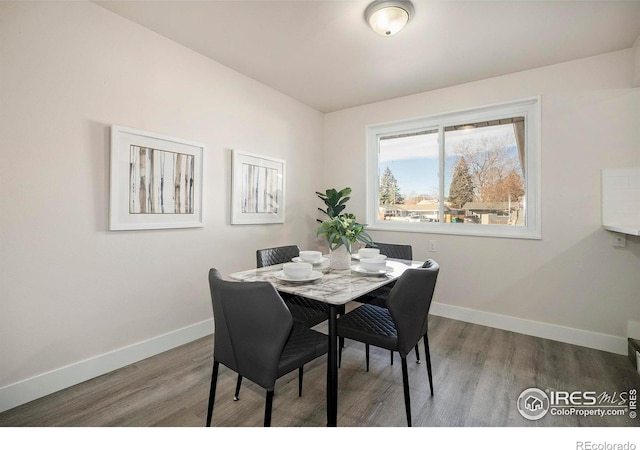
pixel 387 17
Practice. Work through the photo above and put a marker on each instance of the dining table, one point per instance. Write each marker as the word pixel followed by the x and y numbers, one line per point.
pixel 336 288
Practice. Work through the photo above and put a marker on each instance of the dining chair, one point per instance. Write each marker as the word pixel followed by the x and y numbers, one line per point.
pixel 396 251
pixel 401 325
pixel 304 310
pixel 256 337
pixel 379 296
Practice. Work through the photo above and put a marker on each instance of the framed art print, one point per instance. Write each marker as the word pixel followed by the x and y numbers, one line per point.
pixel 257 190
pixel 156 181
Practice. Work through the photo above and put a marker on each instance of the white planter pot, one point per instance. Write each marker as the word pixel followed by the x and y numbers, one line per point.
pixel 340 259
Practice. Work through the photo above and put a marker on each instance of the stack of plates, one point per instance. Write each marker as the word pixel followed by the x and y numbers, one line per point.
pixel 319 262
pixel 314 275
pixel 359 269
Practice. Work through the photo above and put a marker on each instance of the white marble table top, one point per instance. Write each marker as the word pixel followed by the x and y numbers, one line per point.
pixel 335 287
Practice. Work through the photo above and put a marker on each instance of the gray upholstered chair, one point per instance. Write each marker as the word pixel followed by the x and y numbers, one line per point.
pixel 379 296
pixel 396 251
pixel 304 310
pixel 399 327
pixel 255 336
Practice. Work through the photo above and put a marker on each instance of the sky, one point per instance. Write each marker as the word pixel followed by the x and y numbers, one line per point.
pixel 413 160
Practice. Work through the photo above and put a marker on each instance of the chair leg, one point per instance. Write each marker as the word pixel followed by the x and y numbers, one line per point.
pixel 391 357
pixel 405 384
pixel 366 352
pixel 428 356
pixel 300 373
pixel 417 353
pixel 212 391
pixel 236 397
pixel 267 409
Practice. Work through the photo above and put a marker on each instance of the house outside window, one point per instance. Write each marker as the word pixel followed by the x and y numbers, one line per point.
pixel 472 172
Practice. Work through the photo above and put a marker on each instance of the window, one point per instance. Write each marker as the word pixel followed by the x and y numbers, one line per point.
pixel 473 172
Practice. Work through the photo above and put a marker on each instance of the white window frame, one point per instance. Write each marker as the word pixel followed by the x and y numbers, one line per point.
pixel 528 108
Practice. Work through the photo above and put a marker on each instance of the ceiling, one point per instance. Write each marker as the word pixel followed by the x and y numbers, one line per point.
pixel 322 52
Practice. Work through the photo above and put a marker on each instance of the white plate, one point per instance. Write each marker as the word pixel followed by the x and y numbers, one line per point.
pixel 282 277
pixel 317 263
pixel 358 257
pixel 364 271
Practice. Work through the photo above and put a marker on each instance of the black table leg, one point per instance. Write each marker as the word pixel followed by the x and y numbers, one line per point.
pixel 332 368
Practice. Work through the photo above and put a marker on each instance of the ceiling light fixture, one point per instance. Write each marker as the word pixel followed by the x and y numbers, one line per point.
pixel 387 17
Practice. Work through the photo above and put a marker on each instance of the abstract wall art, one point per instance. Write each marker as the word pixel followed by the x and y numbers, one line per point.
pixel 257 194
pixel 156 181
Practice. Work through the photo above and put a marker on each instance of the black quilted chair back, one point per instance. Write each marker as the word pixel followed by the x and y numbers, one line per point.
pixel 409 302
pixel 398 251
pixel 252 325
pixel 276 255
pixel 304 310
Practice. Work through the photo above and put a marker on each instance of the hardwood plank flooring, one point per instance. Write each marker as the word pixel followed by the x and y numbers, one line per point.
pixel 478 374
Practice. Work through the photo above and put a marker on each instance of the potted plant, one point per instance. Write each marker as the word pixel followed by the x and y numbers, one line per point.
pixel 340 230
pixel 334 200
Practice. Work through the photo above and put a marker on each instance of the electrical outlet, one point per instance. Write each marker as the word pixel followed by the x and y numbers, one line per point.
pixel 619 240
pixel 433 246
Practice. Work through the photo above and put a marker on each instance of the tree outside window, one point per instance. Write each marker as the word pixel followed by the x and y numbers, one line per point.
pixel 462 187
pixel 389 191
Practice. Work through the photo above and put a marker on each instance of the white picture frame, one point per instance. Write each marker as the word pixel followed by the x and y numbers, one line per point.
pixel 257 189
pixel 155 181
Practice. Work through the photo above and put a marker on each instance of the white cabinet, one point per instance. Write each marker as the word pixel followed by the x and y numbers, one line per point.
pixel 621 200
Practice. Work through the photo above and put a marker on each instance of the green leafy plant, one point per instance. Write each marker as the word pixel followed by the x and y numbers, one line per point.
pixel 334 200
pixel 343 230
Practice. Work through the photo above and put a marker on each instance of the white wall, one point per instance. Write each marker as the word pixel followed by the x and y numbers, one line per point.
pixel 73 295
pixel 69 289
pixel 571 285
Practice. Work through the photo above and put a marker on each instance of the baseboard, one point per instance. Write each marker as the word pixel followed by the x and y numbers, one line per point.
pixel 598 341
pixel 47 383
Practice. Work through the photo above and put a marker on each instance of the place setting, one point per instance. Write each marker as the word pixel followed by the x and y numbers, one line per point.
pixel 301 269
pixel 312 257
pixel 371 263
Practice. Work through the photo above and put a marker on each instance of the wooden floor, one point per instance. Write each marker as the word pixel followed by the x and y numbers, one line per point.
pixel 478 372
